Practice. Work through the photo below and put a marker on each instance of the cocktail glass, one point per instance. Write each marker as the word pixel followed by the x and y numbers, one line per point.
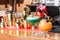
pixel 33 20
pixel 45 26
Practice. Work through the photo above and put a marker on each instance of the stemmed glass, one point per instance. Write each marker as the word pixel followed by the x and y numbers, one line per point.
pixel 45 26
pixel 33 20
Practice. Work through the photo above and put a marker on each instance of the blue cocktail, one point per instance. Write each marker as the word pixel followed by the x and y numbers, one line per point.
pixel 33 20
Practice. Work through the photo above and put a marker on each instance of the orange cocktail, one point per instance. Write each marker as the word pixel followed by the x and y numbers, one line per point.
pixel 45 26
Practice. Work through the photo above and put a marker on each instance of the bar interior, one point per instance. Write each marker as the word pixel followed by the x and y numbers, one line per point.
pixel 29 19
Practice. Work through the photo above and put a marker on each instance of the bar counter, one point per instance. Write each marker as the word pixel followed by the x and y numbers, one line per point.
pixel 21 35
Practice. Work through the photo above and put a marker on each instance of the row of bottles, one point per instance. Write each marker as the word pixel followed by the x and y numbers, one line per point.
pixel 9 23
pixel 18 31
pixel 11 31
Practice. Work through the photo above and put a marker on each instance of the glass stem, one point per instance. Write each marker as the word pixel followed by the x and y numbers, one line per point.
pixel 45 34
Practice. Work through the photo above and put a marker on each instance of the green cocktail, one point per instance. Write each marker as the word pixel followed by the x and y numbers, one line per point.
pixel 33 19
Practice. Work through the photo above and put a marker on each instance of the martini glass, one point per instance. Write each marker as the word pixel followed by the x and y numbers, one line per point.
pixel 33 20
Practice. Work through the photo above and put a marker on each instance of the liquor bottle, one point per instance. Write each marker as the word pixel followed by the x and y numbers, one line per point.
pixel 2 25
pixel 9 18
pixel 6 20
pixel 13 20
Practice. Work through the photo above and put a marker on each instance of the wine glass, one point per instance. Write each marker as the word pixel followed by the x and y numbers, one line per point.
pixel 45 26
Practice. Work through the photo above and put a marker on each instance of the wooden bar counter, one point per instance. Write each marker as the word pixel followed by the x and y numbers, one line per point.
pixel 12 35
